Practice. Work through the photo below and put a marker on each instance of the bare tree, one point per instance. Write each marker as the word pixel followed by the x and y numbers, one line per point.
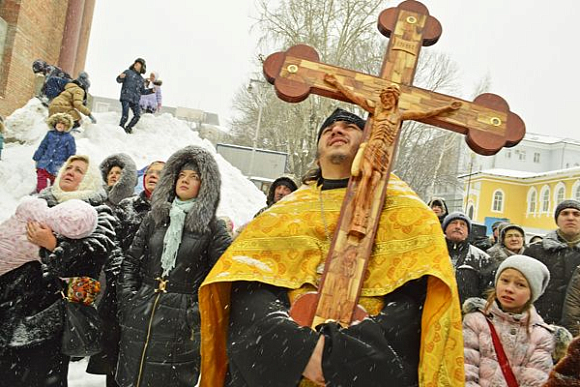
pixel 344 33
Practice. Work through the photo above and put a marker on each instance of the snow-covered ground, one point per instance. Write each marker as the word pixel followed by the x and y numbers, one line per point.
pixel 154 138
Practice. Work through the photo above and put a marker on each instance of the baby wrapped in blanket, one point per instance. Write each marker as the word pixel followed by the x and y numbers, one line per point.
pixel 72 219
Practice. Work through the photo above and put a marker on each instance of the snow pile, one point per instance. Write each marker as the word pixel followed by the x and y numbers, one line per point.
pixel 153 138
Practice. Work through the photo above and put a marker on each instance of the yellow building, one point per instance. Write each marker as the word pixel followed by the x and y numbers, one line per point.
pixel 525 198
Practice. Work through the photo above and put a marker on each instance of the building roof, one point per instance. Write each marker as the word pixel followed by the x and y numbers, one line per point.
pixel 521 174
pixel 549 139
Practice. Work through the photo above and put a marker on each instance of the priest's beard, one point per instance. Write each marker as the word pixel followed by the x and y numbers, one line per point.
pixel 338 159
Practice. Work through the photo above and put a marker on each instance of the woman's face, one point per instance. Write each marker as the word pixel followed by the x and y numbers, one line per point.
pixel 73 175
pixel 513 240
pixel 152 176
pixel 188 183
pixel 113 176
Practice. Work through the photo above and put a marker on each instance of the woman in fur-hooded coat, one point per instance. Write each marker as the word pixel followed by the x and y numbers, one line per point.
pixel 177 244
pixel 31 319
pixel 125 185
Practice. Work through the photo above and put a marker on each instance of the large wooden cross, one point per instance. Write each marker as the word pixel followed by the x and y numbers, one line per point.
pixel 486 122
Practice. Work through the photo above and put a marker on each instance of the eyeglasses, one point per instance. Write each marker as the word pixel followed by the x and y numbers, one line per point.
pixel 517 236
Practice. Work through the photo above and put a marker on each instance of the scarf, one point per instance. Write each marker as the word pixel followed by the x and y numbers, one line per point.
pixel 568 241
pixel 172 239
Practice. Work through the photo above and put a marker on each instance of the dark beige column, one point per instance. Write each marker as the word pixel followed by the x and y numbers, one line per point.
pixel 85 33
pixel 70 39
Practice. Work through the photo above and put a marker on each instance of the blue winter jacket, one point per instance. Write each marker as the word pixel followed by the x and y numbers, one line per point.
pixel 133 86
pixel 54 150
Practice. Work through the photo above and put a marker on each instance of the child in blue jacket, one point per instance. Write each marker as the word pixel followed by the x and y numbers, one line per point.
pixel 56 147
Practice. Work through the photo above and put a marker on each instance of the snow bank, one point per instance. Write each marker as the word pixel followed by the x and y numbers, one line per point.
pixel 153 138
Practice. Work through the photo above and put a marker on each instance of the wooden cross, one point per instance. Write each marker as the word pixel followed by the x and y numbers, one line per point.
pixel 486 122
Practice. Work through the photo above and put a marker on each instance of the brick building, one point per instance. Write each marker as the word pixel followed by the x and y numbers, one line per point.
pixel 56 31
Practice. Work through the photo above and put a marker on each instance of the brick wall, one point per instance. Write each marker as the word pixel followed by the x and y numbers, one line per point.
pixel 35 31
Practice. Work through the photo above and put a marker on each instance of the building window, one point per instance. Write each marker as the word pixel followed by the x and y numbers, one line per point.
pixel 498 201
pixel 545 199
pixel 560 193
pixel 522 155
pixel 577 193
pixel 536 157
pixel 508 154
pixel 470 212
pixel 532 201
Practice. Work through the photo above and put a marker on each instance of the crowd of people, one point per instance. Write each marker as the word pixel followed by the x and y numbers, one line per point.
pixel 181 301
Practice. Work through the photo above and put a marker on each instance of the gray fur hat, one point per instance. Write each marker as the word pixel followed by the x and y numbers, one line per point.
pixel 125 187
pixel 208 197
pixel 536 273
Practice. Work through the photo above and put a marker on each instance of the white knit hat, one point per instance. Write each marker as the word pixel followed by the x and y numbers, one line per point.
pixel 536 273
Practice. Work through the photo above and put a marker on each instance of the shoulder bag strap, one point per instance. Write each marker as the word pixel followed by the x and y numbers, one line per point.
pixel 501 357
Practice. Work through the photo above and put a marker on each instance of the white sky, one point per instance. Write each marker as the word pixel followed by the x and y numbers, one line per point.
pixel 204 51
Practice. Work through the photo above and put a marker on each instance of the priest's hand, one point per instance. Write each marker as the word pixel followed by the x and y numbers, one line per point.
pixel 40 235
pixel 313 370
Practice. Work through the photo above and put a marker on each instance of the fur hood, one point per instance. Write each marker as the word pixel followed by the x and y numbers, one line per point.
pixel 65 118
pixel 205 207
pixel 552 242
pixel 125 187
pixel 474 304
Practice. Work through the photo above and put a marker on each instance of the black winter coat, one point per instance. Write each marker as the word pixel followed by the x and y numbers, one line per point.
pixel 166 319
pixel 473 269
pixel 267 348
pixel 29 311
pixel 561 261
pixel 571 310
pixel 133 86
pixel 130 213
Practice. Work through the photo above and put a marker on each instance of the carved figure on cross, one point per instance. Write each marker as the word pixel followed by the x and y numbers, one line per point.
pixel 374 155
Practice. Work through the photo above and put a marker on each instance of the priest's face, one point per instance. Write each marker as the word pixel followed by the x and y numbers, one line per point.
pixel 339 143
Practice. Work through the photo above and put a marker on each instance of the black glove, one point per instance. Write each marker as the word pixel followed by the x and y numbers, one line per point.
pixel 93 119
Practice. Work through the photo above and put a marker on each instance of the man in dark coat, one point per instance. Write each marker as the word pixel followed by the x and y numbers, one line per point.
pixel 159 314
pixel 133 88
pixel 473 267
pixel 560 252
pixel 31 320
pixel 281 187
pixel 571 309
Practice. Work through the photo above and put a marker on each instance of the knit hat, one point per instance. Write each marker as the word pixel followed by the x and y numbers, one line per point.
pixel 570 203
pixel 454 216
pixel 536 273
pixel 341 115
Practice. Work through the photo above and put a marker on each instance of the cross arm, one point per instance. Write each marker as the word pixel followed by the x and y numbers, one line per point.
pixel 487 122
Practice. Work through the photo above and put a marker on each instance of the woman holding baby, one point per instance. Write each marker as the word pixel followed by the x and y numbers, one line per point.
pixel 75 246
